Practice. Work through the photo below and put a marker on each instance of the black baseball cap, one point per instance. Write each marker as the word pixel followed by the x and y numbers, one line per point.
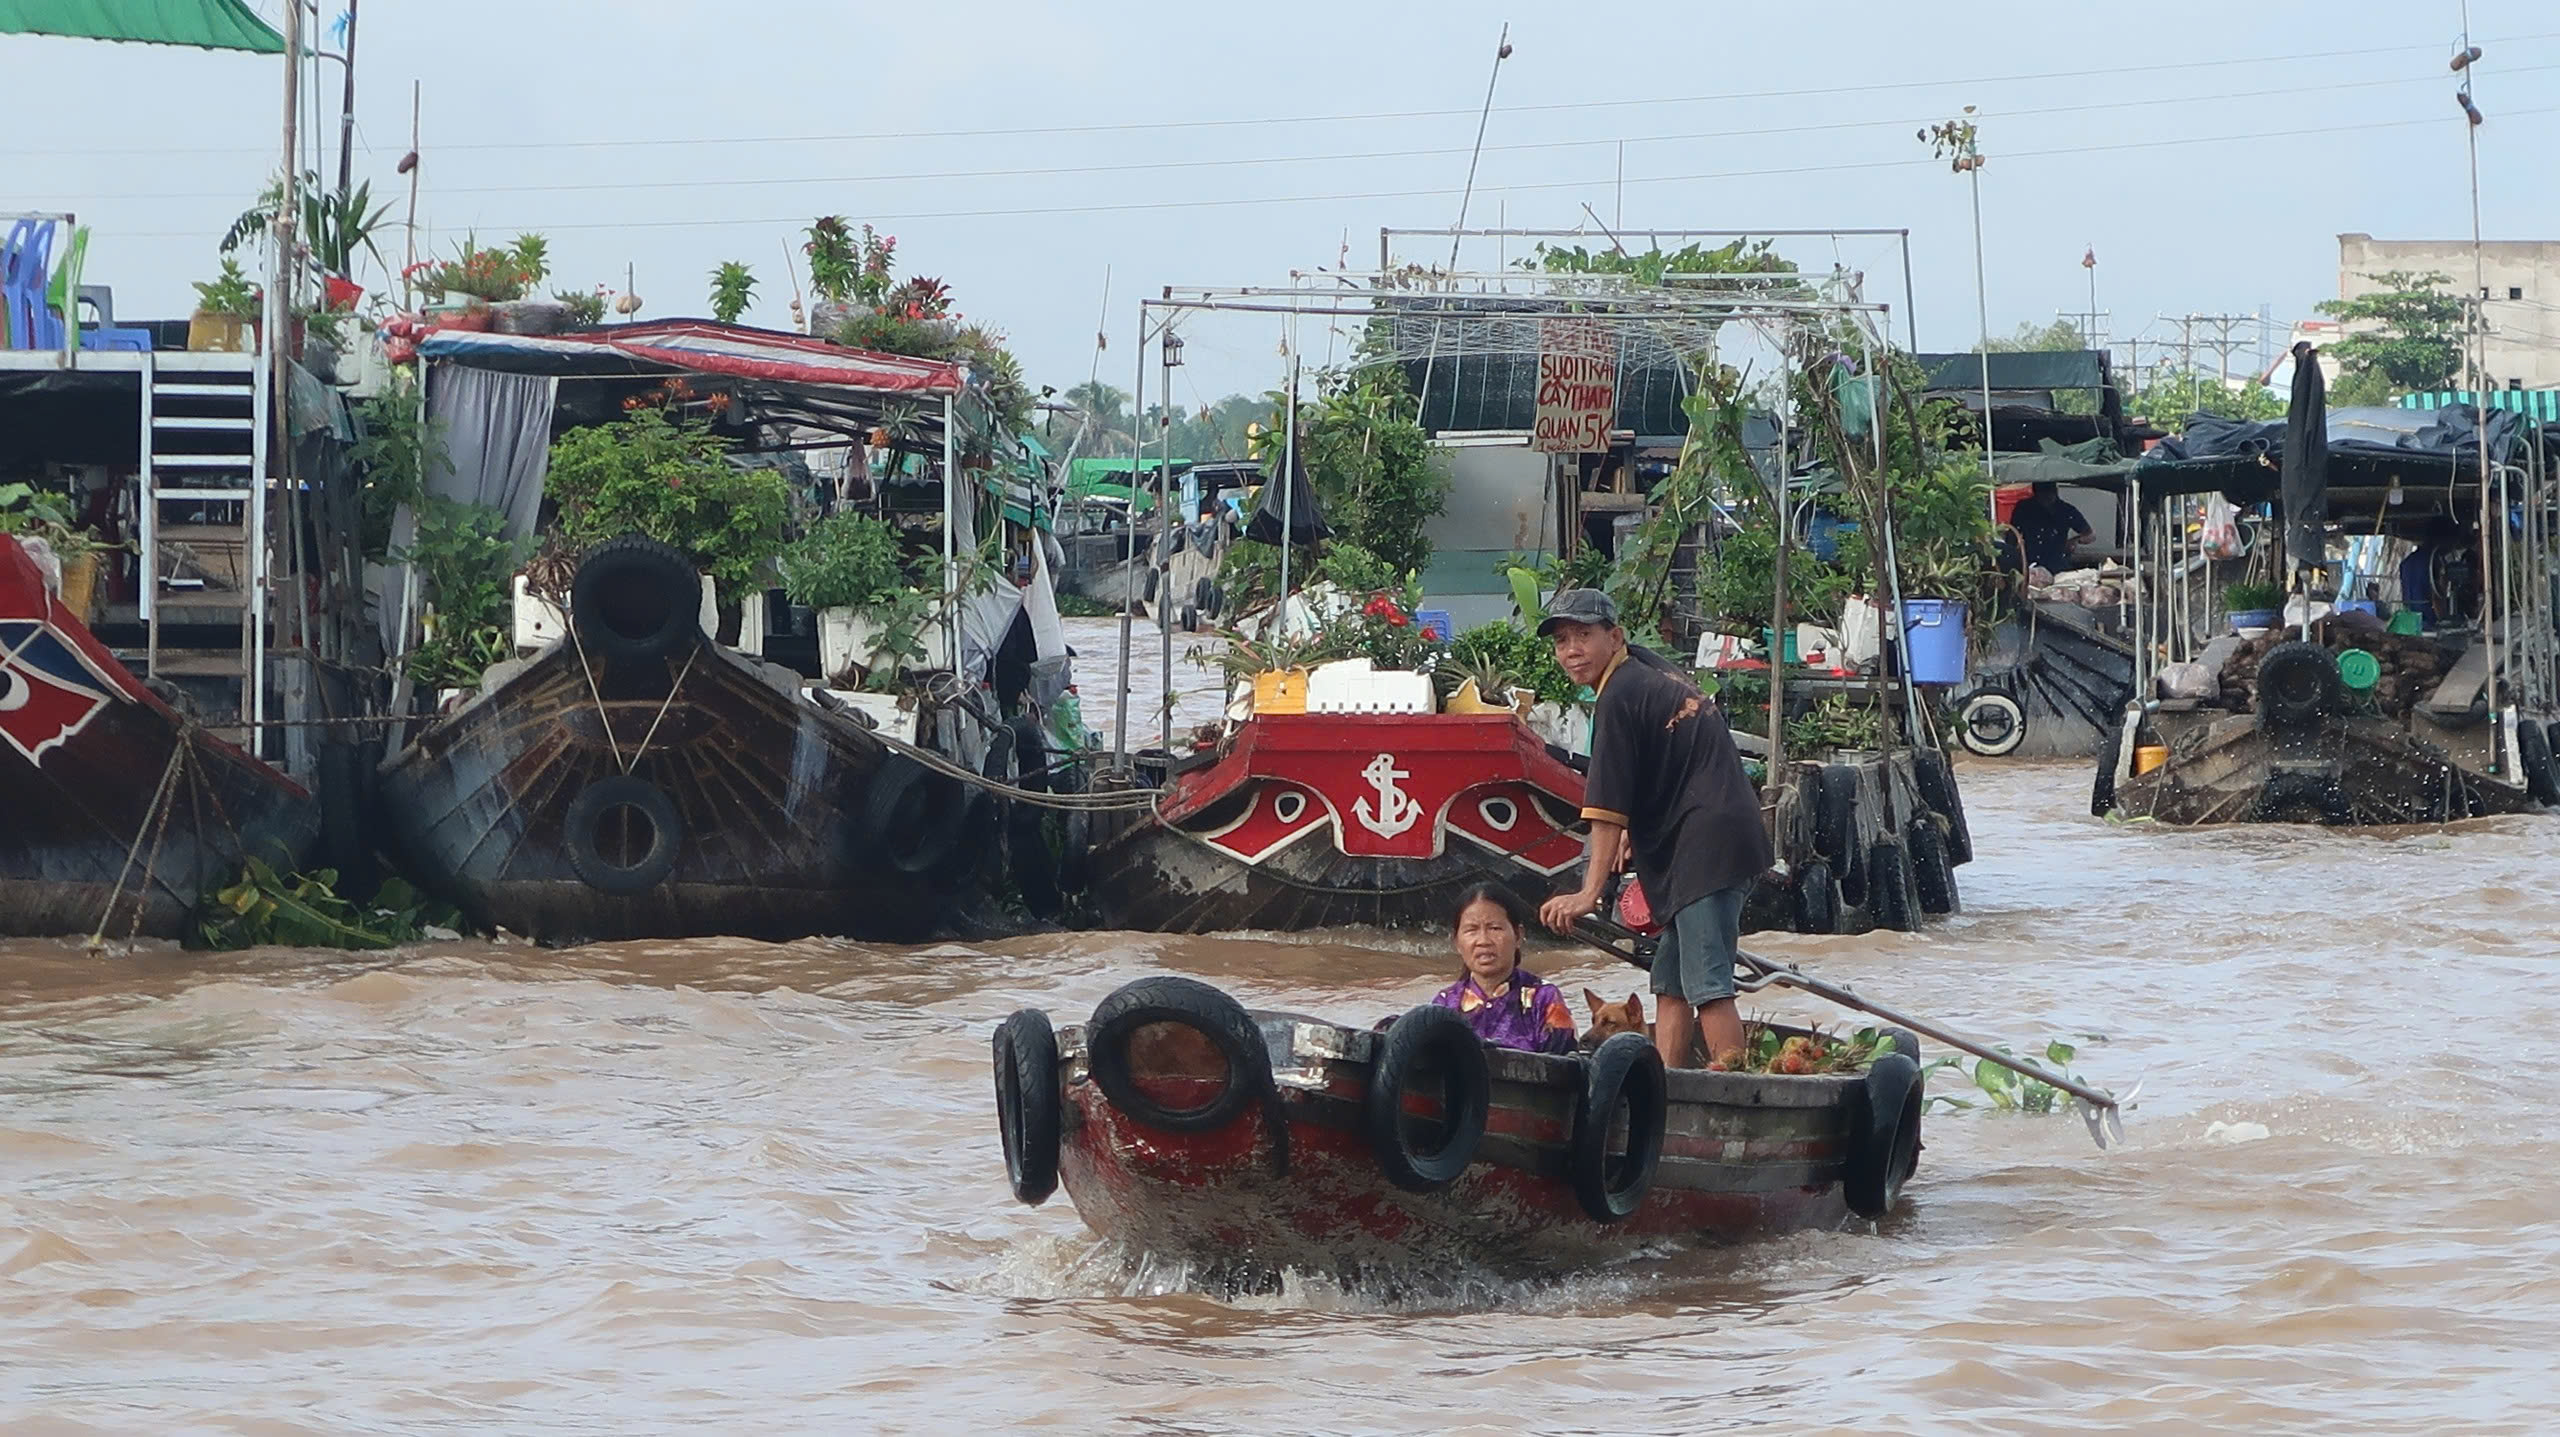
pixel 1580 606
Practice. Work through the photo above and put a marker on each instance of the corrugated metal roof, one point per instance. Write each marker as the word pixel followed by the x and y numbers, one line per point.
pixel 2540 405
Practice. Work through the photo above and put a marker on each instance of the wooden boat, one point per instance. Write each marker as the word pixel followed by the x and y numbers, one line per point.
pixel 109 794
pixel 2293 749
pixel 1246 1143
pixel 1381 820
pixel 1326 820
pixel 636 780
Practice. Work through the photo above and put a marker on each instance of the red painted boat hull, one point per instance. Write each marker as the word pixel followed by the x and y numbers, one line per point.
pixel 84 750
pixel 1744 1155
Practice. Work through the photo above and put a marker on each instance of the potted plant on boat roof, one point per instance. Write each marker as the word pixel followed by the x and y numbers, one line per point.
pixel 226 314
pixel 27 512
pixel 733 286
pixel 648 473
pixel 848 272
pixel 849 568
pixel 2251 605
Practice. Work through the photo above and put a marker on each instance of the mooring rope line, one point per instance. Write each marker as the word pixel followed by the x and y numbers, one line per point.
pixel 133 852
pixel 663 705
pixel 587 668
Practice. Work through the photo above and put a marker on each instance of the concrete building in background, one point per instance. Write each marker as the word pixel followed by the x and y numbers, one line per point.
pixel 2522 279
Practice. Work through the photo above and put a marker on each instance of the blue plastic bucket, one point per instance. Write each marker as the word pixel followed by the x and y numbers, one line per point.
pixel 1435 623
pixel 1935 641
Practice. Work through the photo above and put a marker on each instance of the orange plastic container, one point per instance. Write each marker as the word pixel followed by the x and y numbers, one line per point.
pixel 1280 691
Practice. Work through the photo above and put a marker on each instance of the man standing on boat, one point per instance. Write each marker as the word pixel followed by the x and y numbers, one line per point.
pixel 1666 779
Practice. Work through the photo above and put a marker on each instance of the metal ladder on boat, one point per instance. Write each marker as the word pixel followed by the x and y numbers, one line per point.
pixel 203 518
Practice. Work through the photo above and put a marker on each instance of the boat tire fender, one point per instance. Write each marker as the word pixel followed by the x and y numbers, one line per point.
pixel 635 599
pixel 1075 850
pixel 1204 595
pixel 1933 876
pixel 1884 1147
pixel 2102 789
pixel 1221 1020
pixel 2533 754
pixel 1624 1072
pixel 1889 885
pixel 1835 810
pixel 910 817
pixel 579 834
pixel 1030 1111
pixel 1428 1039
pixel 1991 724
pixel 1935 775
pixel 2297 683
pixel 1817 899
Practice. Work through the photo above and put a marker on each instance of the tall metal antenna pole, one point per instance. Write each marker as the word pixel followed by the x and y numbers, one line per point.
pixel 347 110
pixel 2476 359
pixel 1501 52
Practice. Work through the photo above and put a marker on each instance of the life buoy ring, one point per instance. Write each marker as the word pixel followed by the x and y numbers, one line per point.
pixel 1935 776
pixel 1428 1040
pixel 1029 1108
pixel 2533 754
pixel 1933 878
pixel 1217 1018
pixel 1817 898
pixel 622 834
pixel 2297 683
pixel 635 599
pixel 911 817
pixel 1623 1072
pixel 1991 724
pixel 1889 886
pixel 1835 811
pixel 1884 1142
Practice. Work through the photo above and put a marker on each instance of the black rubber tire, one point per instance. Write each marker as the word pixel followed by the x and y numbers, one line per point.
pixel 578 834
pixel 1217 600
pixel 2551 737
pixel 1033 866
pixel 1933 876
pixel 1428 1038
pixel 1204 595
pixel 1148 595
pixel 635 599
pixel 1884 1143
pixel 1190 619
pixel 2102 789
pixel 1030 753
pixel 1889 886
pixel 1991 724
pixel 1030 1111
pixel 1075 851
pixel 1624 1071
pixel 1935 776
pixel 1168 998
pixel 911 817
pixel 1835 811
pixel 1816 898
pixel 974 838
pixel 2297 683
pixel 2533 753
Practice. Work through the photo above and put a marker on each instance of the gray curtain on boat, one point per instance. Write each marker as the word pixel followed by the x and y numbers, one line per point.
pixel 496 432
pixel 2305 475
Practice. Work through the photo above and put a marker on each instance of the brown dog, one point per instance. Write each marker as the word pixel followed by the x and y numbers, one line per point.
pixel 1610 1019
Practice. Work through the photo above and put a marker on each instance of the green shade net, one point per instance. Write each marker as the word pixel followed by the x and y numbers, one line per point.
pixel 205 24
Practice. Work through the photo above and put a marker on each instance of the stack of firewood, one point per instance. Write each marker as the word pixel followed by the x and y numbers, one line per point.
pixel 2411 665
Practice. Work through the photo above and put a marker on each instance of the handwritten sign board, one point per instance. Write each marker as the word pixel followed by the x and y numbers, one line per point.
pixel 1577 386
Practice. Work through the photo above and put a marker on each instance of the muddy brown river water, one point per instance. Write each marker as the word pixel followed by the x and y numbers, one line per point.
pixel 722 1186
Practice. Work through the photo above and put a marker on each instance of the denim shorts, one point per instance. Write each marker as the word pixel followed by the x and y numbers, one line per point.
pixel 1694 959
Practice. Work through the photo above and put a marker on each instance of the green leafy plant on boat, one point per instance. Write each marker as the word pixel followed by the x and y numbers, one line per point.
pixel 466 566
pixel 648 474
pixel 304 910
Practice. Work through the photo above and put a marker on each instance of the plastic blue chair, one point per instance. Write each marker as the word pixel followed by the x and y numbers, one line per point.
pixel 62 306
pixel 22 276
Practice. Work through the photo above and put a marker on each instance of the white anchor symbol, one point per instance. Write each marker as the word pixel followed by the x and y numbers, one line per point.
pixel 1396 809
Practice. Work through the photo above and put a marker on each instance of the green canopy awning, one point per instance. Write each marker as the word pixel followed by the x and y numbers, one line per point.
pixel 205 24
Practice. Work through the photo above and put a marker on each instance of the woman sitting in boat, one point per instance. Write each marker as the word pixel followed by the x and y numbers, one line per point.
pixel 1506 1004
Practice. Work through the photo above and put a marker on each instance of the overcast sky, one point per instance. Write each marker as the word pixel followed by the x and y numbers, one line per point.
pixel 2210 152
